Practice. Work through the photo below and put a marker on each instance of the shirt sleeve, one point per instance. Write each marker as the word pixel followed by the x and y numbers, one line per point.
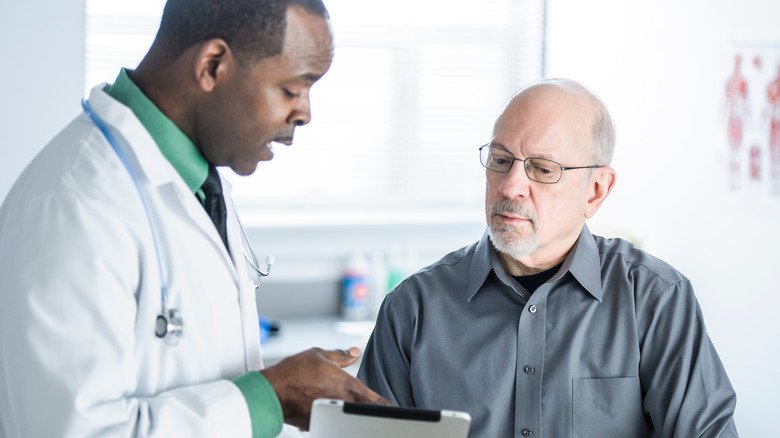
pixel 264 407
pixel 387 358
pixel 686 390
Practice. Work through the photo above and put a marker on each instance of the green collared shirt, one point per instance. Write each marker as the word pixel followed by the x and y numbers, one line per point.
pixel 265 410
pixel 173 143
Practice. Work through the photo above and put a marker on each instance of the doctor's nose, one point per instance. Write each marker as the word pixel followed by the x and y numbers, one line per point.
pixel 301 113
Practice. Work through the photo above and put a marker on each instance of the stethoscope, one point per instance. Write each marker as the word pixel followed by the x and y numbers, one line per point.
pixel 169 324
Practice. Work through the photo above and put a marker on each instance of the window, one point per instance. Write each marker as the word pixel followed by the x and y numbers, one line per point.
pixel 413 91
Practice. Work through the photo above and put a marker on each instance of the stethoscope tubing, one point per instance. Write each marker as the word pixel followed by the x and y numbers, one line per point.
pixel 155 237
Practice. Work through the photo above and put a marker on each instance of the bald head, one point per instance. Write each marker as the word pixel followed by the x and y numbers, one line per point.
pixel 569 104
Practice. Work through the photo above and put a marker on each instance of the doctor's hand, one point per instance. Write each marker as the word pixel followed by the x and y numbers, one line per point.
pixel 316 373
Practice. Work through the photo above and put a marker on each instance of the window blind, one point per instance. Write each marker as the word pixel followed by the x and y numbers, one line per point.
pixel 414 89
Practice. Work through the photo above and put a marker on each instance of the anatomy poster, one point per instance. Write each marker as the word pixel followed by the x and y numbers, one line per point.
pixel 751 128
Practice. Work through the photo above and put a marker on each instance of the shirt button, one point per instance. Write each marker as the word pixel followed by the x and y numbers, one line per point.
pixel 527 432
pixel 532 309
pixel 529 369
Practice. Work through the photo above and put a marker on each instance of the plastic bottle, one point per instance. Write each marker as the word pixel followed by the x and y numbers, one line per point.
pixel 400 264
pixel 354 289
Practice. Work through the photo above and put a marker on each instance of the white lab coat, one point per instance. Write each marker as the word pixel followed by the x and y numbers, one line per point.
pixel 80 292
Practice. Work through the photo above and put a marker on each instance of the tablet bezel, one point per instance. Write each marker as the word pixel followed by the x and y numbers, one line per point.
pixel 346 417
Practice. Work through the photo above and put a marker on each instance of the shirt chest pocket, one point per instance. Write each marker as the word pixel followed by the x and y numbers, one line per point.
pixel 608 407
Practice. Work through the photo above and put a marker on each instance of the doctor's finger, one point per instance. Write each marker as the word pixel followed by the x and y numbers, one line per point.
pixel 362 394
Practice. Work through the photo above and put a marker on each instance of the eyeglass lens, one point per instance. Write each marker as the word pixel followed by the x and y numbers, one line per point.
pixel 537 169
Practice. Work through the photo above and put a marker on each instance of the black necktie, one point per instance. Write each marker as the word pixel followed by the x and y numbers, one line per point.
pixel 214 203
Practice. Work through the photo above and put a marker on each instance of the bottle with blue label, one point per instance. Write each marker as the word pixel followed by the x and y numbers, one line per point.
pixel 354 303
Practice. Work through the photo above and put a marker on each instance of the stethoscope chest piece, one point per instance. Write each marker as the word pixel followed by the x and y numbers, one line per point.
pixel 169 327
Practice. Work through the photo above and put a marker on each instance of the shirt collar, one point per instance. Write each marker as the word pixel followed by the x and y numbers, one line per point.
pixel 481 266
pixel 583 261
pixel 174 144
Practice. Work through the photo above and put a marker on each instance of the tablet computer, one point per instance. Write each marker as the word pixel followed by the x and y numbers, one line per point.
pixel 340 419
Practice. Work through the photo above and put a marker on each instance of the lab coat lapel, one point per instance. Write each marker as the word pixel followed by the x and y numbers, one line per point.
pixel 145 157
pixel 198 215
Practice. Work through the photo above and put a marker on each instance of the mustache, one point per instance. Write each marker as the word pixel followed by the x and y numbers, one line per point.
pixel 516 208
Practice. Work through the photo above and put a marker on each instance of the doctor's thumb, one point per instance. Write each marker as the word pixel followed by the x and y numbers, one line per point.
pixel 343 358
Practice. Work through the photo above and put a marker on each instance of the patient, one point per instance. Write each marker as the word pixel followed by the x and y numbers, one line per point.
pixel 541 328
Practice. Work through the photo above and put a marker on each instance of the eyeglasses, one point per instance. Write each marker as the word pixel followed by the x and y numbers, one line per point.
pixel 538 169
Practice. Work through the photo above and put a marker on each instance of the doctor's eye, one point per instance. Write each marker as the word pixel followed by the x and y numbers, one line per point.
pixel 289 94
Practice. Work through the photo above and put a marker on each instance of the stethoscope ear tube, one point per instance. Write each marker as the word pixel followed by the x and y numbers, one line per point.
pixel 251 258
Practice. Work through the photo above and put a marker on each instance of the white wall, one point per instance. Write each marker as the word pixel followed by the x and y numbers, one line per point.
pixel 42 77
pixel 661 68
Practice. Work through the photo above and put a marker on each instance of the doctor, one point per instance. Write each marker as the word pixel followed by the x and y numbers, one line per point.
pixel 126 307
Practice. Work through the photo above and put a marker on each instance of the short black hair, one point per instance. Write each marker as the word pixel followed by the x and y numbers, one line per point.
pixel 254 29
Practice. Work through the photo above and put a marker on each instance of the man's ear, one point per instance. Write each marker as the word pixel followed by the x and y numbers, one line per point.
pixel 601 183
pixel 213 62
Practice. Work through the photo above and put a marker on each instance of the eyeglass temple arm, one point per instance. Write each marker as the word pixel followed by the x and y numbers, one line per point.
pixel 592 166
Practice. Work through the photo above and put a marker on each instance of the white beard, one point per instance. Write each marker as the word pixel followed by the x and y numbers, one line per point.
pixel 506 239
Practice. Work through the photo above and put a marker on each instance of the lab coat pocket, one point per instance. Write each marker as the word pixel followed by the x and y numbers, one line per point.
pixel 608 407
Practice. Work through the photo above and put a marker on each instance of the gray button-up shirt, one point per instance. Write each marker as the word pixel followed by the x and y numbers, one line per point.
pixel 613 345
